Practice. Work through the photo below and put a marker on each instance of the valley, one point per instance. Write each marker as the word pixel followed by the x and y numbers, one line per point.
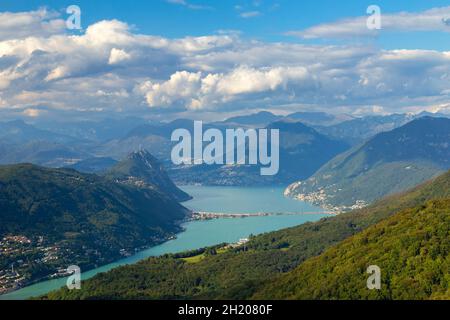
pixel 202 233
pixel 246 271
pixel 225 203
pixel 178 153
pixel 54 218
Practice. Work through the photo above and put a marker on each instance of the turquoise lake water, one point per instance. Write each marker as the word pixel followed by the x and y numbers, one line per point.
pixel 200 234
pixel 244 200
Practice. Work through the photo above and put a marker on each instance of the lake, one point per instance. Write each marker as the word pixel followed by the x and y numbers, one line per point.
pixel 244 200
pixel 200 234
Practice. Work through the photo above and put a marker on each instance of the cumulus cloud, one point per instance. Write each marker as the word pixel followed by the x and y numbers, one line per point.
pixel 110 67
pixel 26 24
pixel 56 73
pixel 118 55
pixel 330 76
pixel 198 91
pixel 181 86
pixel 436 19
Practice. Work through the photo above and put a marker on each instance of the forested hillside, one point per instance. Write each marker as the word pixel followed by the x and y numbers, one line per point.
pixel 411 248
pixel 59 217
pixel 239 273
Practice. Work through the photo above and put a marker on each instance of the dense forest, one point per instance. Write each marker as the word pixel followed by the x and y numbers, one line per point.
pixel 411 249
pixel 244 272
pixel 63 203
pixel 83 218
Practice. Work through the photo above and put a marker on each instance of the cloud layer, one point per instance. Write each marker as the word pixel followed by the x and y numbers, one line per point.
pixel 111 68
pixel 437 19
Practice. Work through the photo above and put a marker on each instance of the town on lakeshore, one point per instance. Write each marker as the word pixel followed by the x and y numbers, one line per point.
pixel 21 256
pixel 27 260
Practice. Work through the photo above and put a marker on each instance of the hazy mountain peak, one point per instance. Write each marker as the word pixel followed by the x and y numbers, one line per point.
pixel 142 169
pixel 262 117
pixel 292 127
pixel 142 155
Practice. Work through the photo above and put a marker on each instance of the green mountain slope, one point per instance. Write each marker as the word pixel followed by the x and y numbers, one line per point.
pixel 390 162
pixel 88 220
pixel 237 273
pixel 52 201
pixel 412 249
pixel 141 169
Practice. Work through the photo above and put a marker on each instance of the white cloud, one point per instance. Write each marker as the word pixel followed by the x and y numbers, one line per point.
pixel 436 19
pixel 109 67
pixel 189 5
pixel 250 14
pixel 197 91
pixel 181 86
pixel 33 113
pixel 117 55
pixel 26 24
pixel 57 73
pixel 251 10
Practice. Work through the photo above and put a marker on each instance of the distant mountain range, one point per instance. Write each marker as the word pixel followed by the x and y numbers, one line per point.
pixel 406 235
pixel 389 162
pixel 358 130
pixel 95 146
pixel 154 137
pixel 264 118
pixel 21 142
pixel 19 132
pixel 319 118
pixel 261 119
pixel 42 152
pixel 94 165
pixel 302 151
pixel 95 131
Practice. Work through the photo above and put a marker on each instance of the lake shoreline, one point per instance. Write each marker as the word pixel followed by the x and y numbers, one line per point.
pixel 195 234
pixel 154 243
pixel 219 215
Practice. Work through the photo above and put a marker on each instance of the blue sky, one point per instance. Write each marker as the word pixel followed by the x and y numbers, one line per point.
pixel 274 18
pixel 194 57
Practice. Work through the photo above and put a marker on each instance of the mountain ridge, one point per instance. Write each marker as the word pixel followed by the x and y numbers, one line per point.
pixel 242 272
pixel 390 162
pixel 302 151
pixel 410 248
pixel 142 169
pixel 81 219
